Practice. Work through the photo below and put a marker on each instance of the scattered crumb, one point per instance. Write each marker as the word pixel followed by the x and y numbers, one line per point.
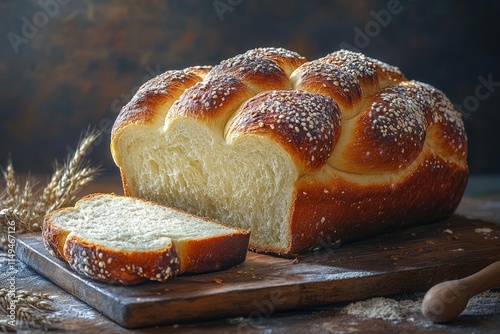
pixel 218 280
pixel 448 231
pixel 239 272
pixel 384 308
pixel 484 230
pixel 457 250
pixel 485 303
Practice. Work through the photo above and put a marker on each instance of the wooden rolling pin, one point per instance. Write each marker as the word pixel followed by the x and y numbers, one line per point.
pixel 447 300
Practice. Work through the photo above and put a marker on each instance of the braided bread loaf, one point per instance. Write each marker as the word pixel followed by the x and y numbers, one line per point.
pixel 302 153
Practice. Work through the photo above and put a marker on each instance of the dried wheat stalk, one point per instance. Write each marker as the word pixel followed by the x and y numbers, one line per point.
pixel 31 310
pixel 20 203
pixel 68 179
pixel 22 206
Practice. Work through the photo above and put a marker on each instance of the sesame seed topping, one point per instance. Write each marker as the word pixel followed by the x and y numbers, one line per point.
pixel 310 122
pixel 245 66
pixel 335 81
pixel 395 115
pixel 274 53
pixel 207 97
pixel 353 63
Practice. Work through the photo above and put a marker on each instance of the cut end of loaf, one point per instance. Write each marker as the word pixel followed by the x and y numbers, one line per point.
pixel 125 240
pixel 303 153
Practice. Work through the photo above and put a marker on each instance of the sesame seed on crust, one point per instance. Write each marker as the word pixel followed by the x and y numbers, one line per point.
pixel 126 267
pixel 287 60
pixel 212 98
pixel 257 73
pixel 329 79
pixel 367 70
pixel 160 90
pixel 305 123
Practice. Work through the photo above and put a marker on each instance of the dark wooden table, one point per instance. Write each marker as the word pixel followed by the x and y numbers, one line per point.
pixel 482 200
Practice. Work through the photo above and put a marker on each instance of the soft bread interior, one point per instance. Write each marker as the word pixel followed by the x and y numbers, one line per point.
pixel 183 169
pixel 128 224
pixel 275 153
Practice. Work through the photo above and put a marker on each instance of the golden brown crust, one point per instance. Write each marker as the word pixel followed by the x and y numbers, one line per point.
pixel 287 60
pixel 339 210
pixel 126 189
pixel 444 124
pixel 54 238
pixel 388 135
pixel 306 124
pixel 330 80
pixel 120 267
pixel 213 100
pixel 257 73
pixel 162 90
pixel 370 72
pixel 212 254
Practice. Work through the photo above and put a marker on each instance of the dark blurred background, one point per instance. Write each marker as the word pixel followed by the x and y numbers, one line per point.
pixel 67 64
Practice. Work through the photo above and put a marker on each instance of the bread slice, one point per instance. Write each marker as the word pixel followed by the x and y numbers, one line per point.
pixel 127 240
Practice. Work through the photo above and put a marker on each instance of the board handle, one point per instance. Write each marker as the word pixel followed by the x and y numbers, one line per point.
pixel 447 300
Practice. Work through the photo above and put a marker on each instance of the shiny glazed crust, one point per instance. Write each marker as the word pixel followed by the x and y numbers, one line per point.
pixel 373 150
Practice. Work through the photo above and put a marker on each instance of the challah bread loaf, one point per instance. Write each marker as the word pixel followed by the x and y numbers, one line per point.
pixel 302 153
pixel 125 240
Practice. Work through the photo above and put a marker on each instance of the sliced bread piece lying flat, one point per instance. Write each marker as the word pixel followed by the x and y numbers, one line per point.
pixel 127 240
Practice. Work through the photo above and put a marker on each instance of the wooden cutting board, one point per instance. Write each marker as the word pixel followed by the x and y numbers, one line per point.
pixel 407 260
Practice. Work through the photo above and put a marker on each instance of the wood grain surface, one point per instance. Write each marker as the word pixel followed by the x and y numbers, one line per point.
pixel 403 261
